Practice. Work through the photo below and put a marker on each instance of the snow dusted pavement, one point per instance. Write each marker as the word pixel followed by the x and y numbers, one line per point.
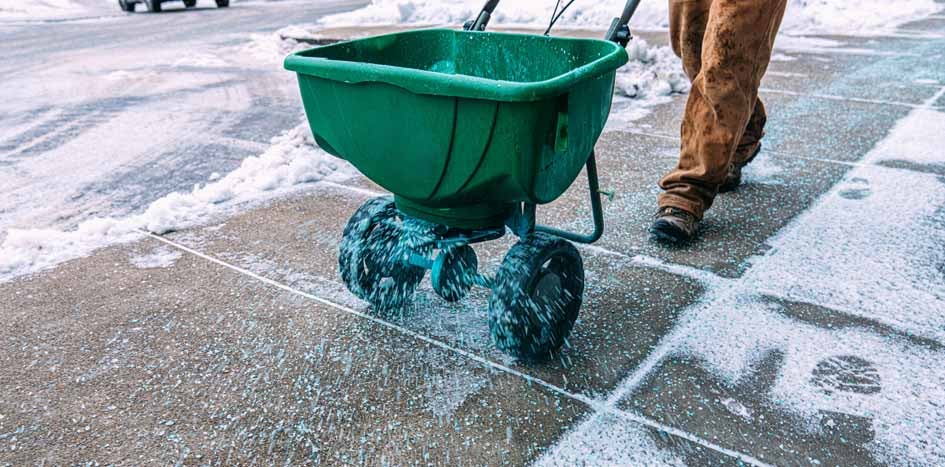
pixel 107 124
pixel 806 327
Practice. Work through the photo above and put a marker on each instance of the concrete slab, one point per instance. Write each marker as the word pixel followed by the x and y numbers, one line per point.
pixel 776 189
pixel 108 362
pixel 683 393
pixel 798 125
pixel 296 241
pixel 848 416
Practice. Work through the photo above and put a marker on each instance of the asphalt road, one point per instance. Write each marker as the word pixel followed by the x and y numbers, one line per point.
pixel 103 114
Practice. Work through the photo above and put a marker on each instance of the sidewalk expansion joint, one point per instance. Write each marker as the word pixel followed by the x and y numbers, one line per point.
pixel 781 154
pixel 859 100
pixel 596 405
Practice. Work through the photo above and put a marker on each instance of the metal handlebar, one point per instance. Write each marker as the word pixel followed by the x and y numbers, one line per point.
pixel 484 16
pixel 619 31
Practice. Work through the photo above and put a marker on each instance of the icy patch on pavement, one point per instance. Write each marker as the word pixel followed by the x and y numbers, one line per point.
pixel 292 162
pixel 803 16
pixel 161 257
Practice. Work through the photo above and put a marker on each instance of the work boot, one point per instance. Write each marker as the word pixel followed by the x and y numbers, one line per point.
pixel 673 226
pixel 734 177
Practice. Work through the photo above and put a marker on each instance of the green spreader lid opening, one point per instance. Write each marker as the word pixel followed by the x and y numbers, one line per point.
pixel 476 65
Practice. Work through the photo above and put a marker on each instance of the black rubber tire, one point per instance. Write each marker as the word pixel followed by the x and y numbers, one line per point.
pixel 455 280
pixel 367 246
pixel 536 297
pixel 190 3
pixel 126 6
pixel 154 6
pixel 223 3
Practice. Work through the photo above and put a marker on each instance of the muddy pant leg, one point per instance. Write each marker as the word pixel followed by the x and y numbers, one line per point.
pixel 752 135
pixel 735 50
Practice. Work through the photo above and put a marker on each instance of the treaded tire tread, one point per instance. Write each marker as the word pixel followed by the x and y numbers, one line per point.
pixel 355 249
pixel 518 327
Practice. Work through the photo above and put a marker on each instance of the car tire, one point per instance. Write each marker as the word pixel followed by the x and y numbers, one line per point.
pixel 223 3
pixel 154 6
pixel 126 6
pixel 190 3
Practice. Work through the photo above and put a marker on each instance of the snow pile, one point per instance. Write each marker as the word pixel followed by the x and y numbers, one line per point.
pixel 292 161
pixel 803 16
pixel 652 72
pixel 275 46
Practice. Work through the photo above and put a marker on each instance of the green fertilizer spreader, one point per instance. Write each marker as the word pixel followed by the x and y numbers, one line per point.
pixel 470 131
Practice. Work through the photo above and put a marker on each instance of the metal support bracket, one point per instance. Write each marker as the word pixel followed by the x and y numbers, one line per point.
pixel 523 218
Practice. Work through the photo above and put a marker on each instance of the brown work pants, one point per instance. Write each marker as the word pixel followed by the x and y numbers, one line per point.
pixel 725 47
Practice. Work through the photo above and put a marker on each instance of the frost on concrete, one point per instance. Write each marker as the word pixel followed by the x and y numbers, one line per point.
pixel 292 162
pixel 851 295
pixel 604 439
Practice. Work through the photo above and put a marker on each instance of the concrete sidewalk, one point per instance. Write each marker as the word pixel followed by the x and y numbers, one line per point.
pixel 806 326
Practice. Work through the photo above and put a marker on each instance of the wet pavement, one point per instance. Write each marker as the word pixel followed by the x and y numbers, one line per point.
pixel 805 327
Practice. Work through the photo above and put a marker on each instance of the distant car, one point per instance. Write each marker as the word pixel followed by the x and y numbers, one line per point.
pixel 155 5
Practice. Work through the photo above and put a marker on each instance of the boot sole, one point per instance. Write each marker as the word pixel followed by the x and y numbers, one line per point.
pixel 665 232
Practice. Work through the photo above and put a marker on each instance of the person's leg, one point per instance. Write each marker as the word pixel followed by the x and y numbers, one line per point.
pixel 735 51
pixel 748 147
pixel 688 20
pixel 751 138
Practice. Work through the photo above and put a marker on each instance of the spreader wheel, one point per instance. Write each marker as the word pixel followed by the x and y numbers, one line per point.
pixel 370 257
pixel 536 297
pixel 454 272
